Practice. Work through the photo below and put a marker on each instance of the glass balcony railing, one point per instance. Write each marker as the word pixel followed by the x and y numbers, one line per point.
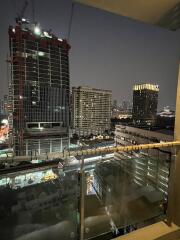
pixel 95 197
pixel 126 192
pixel 40 203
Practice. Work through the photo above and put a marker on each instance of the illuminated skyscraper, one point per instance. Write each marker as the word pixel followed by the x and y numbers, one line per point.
pixel 39 90
pixel 145 101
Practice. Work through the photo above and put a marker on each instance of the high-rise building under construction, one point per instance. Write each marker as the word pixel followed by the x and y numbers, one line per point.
pixel 39 90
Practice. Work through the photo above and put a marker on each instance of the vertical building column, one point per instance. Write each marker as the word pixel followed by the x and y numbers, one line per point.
pixel 69 142
pixel 173 211
pixel 61 145
pixel 50 65
pixel 50 145
pixel 13 181
pixel 39 146
pixel 26 147
pixel 82 199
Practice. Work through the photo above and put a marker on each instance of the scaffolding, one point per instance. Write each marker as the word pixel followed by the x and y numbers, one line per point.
pixel 39 86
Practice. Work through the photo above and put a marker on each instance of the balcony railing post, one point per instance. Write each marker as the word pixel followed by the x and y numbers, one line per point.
pixel 82 194
pixel 173 210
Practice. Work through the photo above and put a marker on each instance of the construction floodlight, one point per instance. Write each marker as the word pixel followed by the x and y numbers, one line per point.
pixel 37 30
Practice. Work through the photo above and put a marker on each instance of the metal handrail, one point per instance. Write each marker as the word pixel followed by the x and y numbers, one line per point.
pixel 96 151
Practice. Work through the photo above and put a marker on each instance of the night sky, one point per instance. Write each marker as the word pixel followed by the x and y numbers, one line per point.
pixel 108 51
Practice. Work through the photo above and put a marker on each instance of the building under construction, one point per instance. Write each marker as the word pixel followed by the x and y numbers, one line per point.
pixel 39 90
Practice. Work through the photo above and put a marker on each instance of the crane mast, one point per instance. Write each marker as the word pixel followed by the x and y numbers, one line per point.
pixel 20 16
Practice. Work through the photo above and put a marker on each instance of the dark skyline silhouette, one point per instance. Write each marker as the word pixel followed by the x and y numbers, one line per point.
pixel 108 51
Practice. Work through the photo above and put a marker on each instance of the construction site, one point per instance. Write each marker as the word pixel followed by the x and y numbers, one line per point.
pixel 39 88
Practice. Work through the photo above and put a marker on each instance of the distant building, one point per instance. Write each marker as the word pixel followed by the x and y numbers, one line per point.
pixel 114 109
pixel 166 112
pixel 120 114
pixel 91 110
pixel 125 105
pixel 39 90
pixel 127 135
pixel 1 107
pixel 114 105
pixel 124 115
pixel 166 118
pixel 145 101
pixel 4 105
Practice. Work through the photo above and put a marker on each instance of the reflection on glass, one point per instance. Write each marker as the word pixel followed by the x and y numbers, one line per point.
pixel 39 204
pixel 107 196
pixel 126 192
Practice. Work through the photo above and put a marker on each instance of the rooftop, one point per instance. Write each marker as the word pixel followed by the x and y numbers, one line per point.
pixel 146 86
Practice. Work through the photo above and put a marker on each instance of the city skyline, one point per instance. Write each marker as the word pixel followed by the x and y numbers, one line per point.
pixel 111 59
pixel 89 130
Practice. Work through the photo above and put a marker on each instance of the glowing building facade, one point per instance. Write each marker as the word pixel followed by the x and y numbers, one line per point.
pixel 145 101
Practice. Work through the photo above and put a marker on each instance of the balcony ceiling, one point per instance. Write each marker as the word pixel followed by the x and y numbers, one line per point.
pixel 159 12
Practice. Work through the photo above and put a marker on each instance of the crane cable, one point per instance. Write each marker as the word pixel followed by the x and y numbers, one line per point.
pixel 70 22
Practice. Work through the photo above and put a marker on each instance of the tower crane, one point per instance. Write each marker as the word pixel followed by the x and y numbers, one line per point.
pixel 20 16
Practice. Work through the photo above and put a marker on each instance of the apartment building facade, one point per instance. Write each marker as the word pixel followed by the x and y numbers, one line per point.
pixel 91 109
